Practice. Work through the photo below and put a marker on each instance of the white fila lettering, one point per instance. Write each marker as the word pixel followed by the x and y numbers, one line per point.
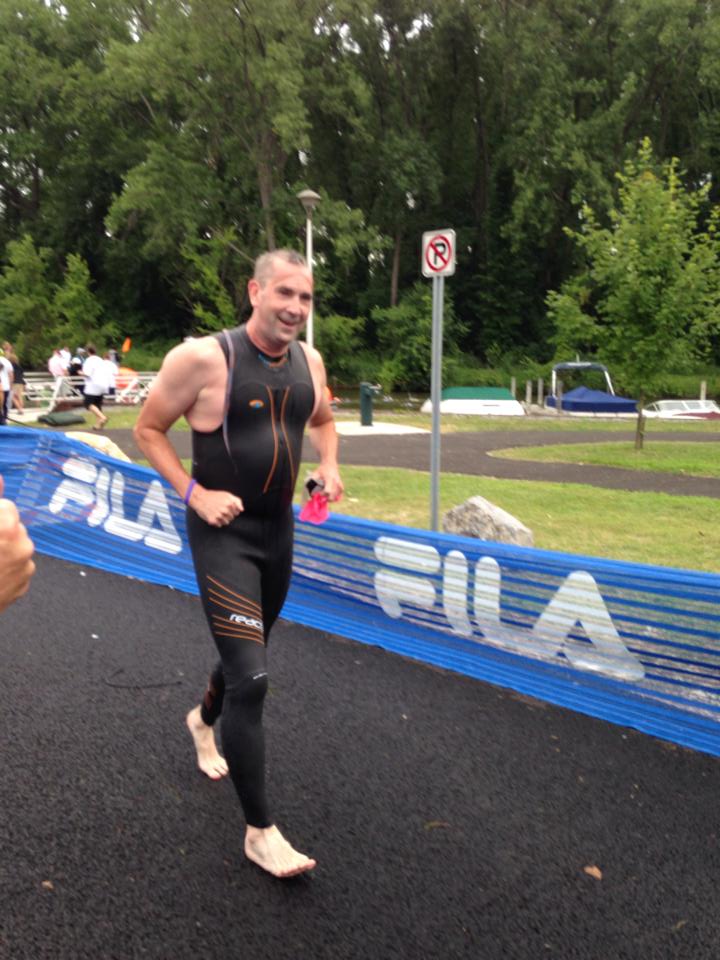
pixel 248 621
pixel 578 601
pixel 104 491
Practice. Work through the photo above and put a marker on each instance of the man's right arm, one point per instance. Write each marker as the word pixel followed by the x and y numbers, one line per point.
pixel 175 391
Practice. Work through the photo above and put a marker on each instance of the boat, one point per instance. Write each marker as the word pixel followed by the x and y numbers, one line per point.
pixel 683 410
pixel 477 401
pixel 583 400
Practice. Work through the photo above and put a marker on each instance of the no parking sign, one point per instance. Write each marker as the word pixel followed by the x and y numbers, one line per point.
pixel 438 253
pixel 438 262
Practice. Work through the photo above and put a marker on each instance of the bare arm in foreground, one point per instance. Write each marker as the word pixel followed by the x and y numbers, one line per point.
pixel 16 550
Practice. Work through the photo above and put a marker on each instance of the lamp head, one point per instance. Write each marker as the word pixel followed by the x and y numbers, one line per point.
pixel 309 199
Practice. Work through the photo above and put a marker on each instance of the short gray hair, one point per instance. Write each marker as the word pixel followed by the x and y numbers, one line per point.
pixel 265 263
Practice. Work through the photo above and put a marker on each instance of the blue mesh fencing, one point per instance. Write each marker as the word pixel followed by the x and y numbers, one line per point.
pixel 635 644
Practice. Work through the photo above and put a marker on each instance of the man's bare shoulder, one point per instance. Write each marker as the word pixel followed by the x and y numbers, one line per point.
pixel 314 357
pixel 194 360
pixel 198 350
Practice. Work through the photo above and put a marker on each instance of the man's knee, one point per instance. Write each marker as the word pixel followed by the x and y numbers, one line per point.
pixel 249 690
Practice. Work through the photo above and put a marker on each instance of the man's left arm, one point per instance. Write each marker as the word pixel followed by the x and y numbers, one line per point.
pixel 323 434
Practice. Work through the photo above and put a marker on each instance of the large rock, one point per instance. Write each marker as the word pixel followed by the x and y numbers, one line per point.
pixel 477 517
pixel 99 442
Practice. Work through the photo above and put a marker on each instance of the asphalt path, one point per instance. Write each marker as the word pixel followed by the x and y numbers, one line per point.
pixel 471 453
pixel 449 818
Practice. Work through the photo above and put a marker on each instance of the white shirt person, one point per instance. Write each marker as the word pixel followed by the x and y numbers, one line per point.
pixel 97 384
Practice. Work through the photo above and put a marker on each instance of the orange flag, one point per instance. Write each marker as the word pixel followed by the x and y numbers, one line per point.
pixel 126 345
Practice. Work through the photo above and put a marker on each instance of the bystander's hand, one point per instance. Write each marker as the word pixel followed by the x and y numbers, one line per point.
pixel 216 507
pixel 16 550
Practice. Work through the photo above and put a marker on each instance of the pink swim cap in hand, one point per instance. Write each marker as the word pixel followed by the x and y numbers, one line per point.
pixel 316 509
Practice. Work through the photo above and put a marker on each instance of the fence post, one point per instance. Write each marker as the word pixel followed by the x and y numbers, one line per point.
pixel 541 391
pixel 703 389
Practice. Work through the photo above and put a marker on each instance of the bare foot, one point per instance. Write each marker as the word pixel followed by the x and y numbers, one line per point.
pixel 208 758
pixel 270 850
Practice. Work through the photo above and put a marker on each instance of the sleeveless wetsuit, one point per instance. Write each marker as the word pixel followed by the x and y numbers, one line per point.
pixel 243 569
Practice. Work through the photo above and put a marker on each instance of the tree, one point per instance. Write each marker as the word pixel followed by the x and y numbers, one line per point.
pixel 211 262
pixel 369 93
pixel 405 338
pixel 27 311
pixel 340 340
pixel 648 297
pixel 77 308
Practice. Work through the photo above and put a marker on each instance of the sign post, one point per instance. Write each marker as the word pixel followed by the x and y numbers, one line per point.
pixel 438 262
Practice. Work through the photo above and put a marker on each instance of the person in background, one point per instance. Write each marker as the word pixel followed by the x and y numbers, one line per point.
pixel 6 380
pixel 112 371
pixel 76 362
pixel 65 356
pixel 95 372
pixel 18 384
pixel 16 550
pixel 56 366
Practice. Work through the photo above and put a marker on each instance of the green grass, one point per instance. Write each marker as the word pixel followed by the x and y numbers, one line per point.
pixel 119 418
pixel 125 417
pixel 655 528
pixel 650 528
pixel 455 423
pixel 692 459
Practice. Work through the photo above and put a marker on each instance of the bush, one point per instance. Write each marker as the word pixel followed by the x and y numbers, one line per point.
pixel 339 339
pixel 671 386
pixel 404 336
pixel 149 355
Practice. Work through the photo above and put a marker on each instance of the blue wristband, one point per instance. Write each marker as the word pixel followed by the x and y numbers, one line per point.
pixel 186 498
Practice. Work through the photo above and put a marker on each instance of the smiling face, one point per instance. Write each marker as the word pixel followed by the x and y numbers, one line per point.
pixel 281 303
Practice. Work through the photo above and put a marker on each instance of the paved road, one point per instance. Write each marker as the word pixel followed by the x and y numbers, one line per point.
pixel 451 820
pixel 471 453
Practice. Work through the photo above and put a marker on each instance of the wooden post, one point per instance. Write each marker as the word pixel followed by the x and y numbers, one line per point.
pixel 528 393
pixel 558 398
pixel 541 391
pixel 640 425
pixel 703 389
pixel 513 387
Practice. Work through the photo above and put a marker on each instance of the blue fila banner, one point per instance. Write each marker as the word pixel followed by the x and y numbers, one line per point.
pixel 635 644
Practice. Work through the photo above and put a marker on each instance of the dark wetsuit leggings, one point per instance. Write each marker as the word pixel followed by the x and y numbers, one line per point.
pixel 243 572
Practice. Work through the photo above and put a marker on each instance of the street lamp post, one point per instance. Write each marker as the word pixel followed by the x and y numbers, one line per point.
pixel 309 199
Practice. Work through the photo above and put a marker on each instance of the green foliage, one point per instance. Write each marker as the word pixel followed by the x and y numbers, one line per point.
pixel 404 336
pixel 38 315
pixel 339 340
pixel 664 386
pixel 132 132
pixel 210 262
pixel 78 310
pixel 27 310
pixel 147 354
pixel 648 298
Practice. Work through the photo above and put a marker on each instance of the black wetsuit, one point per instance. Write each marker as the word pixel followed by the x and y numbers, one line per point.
pixel 243 569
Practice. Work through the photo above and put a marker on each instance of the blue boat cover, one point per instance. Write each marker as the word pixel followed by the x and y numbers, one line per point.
pixel 582 399
pixel 635 644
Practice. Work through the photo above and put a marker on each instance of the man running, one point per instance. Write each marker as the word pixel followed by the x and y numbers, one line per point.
pixel 247 394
